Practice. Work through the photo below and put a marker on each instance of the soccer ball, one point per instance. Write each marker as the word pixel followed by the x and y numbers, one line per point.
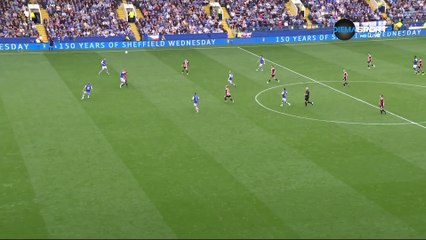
pixel 125 52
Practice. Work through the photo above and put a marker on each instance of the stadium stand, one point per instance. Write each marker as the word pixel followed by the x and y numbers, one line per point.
pixel 407 9
pixel 261 15
pixel 15 20
pixel 84 18
pixel 104 18
pixel 175 17
pixel 324 13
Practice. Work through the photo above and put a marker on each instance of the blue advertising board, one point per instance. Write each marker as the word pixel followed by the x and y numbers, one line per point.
pixel 205 42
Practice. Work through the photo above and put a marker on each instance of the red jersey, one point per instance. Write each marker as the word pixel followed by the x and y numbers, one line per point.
pixel 420 62
pixel 227 92
pixel 382 102
pixel 273 71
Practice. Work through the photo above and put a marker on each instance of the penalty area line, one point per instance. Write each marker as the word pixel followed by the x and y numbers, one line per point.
pixel 333 89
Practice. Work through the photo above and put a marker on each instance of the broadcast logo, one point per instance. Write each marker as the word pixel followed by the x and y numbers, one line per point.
pixel 345 29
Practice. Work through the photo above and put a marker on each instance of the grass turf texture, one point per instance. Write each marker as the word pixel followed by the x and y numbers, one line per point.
pixel 139 162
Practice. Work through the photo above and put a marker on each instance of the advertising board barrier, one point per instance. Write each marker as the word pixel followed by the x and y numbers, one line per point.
pixel 204 42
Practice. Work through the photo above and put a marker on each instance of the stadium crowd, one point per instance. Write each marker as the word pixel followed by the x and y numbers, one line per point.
pixel 84 18
pixel 175 17
pixel 261 14
pixel 325 13
pixel 407 9
pixel 15 20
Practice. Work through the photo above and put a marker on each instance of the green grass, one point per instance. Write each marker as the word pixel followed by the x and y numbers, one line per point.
pixel 139 162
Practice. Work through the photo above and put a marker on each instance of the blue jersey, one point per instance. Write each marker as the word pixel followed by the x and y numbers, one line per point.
pixel 122 74
pixel 88 87
pixel 230 77
pixel 284 93
pixel 261 61
pixel 415 61
pixel 195 98
pixel 104 63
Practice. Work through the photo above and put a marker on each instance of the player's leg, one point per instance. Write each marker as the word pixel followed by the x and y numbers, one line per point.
pixel 269 80
pixel 82 97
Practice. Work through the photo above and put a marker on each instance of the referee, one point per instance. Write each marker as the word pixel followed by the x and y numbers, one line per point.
pixel 307 95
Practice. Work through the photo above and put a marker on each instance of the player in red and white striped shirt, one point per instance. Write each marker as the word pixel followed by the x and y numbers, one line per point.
pixel 185 66
pixel 273 75
pixel 382 104
pixel 228 94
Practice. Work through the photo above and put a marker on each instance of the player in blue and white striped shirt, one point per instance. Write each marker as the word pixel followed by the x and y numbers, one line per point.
pixel 261 63
pixel 415 64
pixel 284 98
pixel 104 66
pixel 196 99
pixel 86 90
pixel 231 79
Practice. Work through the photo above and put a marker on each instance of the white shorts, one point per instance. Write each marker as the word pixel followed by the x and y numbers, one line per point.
pixel 284 99
pixel 414 66
pixel 122 80
pixel 104 67
pixel 261 65
pixel 195 104
pixel 230 81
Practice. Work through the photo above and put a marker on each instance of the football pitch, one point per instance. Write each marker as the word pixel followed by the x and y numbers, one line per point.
pixel 139 162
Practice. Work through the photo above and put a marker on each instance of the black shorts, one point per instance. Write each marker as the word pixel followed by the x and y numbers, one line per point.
pixel 306 98
pixel 227 96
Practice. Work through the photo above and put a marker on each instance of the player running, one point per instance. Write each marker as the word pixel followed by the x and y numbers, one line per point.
pixel 284 98
pixel 345 78
pixel 307 95
pixel 370 61
pixel 231 79
pixel 261 63
pixel 86 90
pixel 382 104
pixel 228 94
pixel 196 99
pixel 185 66
pixel 415 64
pixel 123 78
pixel 420 66
pixel 273 75
pixel 104 66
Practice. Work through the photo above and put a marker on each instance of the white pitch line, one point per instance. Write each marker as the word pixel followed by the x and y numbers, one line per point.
pixel 334 89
